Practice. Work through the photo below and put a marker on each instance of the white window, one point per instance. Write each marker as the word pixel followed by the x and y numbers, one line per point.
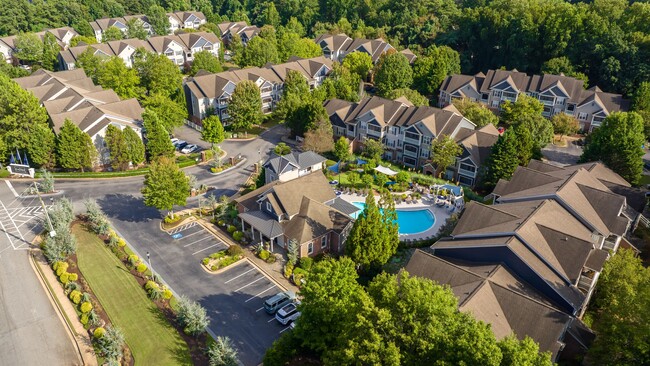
pixel 269 207
pixel 310 248
pixel 496 93
pixel 582 116
pixel 323 242
pixel 495 103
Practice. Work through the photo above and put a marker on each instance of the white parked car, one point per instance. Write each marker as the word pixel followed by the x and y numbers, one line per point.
pixel 177 142
pixel 189 149
pixel 288 313
pixel 174 141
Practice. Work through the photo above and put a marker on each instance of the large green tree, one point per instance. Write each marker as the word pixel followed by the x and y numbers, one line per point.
pixel 158 74
pixel 135 29
pixel 28 47
pixel 134 146
pixel 413 96
pixel 213 131
pixel 158 143
pixel 503 161
pixel 158 19
pixel 341 83
pixel 50 51
pixel 475 112
pixel 319 136
pixel 118 150
pixel 563 124
pixel 444 151
pixel 525 106
pixel 113 33
pixel 165 185
pixel 113 74
pixel 430 70
pixel 42 145
pixel 245 107
pixel 374 236
pixel 617 143
pixel 641 105
pixel 258 52
pixel 205 60
pixel 393 71
pixel 359 63
pixel 170 113
pixel 342 149
pixel 75 149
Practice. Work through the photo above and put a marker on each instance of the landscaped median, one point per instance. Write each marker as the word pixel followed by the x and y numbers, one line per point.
pixel 222 259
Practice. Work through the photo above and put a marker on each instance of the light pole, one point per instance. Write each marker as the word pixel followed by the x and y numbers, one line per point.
pixel 150 267
pixel 47 215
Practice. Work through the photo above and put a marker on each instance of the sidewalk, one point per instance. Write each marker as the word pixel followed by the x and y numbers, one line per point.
pixel 77 331
pixel 272 270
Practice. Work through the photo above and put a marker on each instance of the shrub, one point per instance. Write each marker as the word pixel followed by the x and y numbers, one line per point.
pixel 218 255
pixel 71 286
pixel 231 229
pixel 73 276
pixel 61 268
pixel 288 271
pixel 121 243
pixel 112 241
pixel 93 318
pixel 84 319
pixel 205 261
pixel 167 294
pixel 141 268
pixel 75 296
pixel 99 332
pixel 306 263
pixel 191 316
pixel 214 267
pixel 155 293
pixel 172 219
pixel 86 307
pixel 221 223
pixel 226 262
pixel 238 235
pixel 222 352
pixel 64 278
pixel 271 259
pixel 134 259
pixel 235 250
pixel 110 345
pixel 150 284
pixel 264 254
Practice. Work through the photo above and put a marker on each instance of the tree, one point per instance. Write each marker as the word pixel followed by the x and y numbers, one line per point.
pixel 413 96
pixel 28 47
pixel 158 143
pixel 90 63
pixel 290 44
pixel 165 186
pixel 562 65
pixel 113 33
pixel 192 316
pixel 270 15
pixel 75 149
pixel 617 143
pixel 342 149
pixel 430 70
pixel 110 344
pixel 117 147
pixel 475 112
pixel 282 149
pixel 42 145
pixel 258 52
pixel 213 131
pixel 563 124
pixel 341 83
pixel 294 96
pixel 620 306
pixel 525 106
pixel 158 74
pixel 359 63
pixel 524 352
pixel 113 74
pixel 319 138
pixel 222 352
pixel 393 71
pixel 374 236
pixel 134 146
pixel 170 113
pixel 205 60
pixel 373 149
pixel 502 162
pixel 444 151
pixel 641 105
pixel 50 51
pixel 76 40
pixel 158 19
pixel 245 108
pixel 293 251
pixel 525 145
pixel 135 29
pixel 540 128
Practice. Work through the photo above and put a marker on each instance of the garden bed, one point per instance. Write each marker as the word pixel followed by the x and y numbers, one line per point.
pixel 215 262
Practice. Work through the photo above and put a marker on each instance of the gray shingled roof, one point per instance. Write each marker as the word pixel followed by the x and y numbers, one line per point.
pixel 263 222
pixel 300 160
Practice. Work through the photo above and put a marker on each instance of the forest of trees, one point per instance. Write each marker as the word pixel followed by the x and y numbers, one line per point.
pixel 606 40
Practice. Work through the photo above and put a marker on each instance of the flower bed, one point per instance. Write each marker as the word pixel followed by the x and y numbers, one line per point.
pixel 223 259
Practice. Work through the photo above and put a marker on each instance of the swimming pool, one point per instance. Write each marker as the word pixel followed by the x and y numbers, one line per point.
pixel 409 221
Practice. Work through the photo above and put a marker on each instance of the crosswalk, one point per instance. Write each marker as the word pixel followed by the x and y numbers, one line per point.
pixel 10 229
pixel 22 215
pixel 182 228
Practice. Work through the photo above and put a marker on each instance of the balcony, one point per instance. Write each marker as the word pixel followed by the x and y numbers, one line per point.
pixel 586 281
pixel 467 173
pixel 609 244
pixel 374 133
pixel 408 140
pixel 413 154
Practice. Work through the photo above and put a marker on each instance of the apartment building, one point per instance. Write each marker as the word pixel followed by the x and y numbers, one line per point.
pixel 213 91
pixel 337 46
pixel 558 94
pixel 529 263
pixel 229 29
pixel 177 21
pixel 63 36
pixel 180 48
pixel 406 131
pixel 72 95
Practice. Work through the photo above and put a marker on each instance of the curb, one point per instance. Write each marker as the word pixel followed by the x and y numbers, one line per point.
pixel 242 259
pixel 181 223
pixel 45 195
pixel 228 169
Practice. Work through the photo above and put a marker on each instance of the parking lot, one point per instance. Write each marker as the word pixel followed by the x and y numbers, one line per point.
pixel 195 239
pixel 251 287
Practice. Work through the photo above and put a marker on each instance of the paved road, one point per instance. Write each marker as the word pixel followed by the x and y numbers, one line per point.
pixel 122 202
pixel 31 332
pixel 563 155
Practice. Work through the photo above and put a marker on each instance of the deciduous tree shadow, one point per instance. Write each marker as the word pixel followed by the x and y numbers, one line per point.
pixel 126 207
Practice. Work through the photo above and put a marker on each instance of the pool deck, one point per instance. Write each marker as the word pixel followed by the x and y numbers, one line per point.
pixel 440 213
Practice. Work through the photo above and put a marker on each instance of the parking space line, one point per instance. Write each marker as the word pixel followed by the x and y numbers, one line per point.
pixel 250 283
pixel 196 241
pixel 211 246
pixel 285 329
pixel 259 309
pixel 270 320
pixel 254 297
pixel 188 235
pixel 236 277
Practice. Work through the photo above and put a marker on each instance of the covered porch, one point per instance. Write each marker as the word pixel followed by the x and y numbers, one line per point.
pixel 262 229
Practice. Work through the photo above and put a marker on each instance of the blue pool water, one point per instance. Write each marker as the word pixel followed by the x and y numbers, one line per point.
pixel 409 221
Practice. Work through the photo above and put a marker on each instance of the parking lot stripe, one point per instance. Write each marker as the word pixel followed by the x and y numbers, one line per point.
pixel 188 235
pixel 270 320
pixel 243 287
pixel 236 277
pixel 259 309
pixel 254 297
pixel 285 329
pixel 211 246
pixel 196 241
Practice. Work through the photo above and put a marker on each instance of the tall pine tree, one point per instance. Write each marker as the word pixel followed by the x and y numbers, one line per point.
pixel 158 143
pixel 503 159
pixel 75 149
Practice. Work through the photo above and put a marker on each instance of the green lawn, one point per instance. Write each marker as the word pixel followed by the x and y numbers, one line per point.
pixel 152 340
